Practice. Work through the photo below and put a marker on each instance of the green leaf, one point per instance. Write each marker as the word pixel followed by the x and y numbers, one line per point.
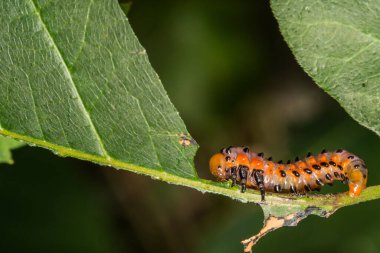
pixel 338 45
pixel 6 145
pixel 126 7
pixel 79 83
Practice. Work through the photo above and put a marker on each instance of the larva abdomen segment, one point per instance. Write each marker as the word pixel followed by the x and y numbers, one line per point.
pixel 311 173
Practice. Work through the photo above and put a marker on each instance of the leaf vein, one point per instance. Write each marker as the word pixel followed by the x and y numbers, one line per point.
pixel 34 104
pixel 83 40
pixel 145 119
pixel 336 23
pixel 69 77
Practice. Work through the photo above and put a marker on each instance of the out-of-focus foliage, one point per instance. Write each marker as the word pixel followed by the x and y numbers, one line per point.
pixel 6 145
pixel 53 198
pixel 231 59
pixel 338 45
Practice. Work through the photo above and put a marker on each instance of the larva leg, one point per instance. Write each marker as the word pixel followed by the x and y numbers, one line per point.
pixel 243 173
pixel 233 175
pixel 260 182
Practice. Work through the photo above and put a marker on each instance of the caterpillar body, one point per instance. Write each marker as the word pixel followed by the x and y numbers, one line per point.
pixel 252 170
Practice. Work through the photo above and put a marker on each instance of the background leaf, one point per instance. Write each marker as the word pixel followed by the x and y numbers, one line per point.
pixel 6 145
pixel 338 45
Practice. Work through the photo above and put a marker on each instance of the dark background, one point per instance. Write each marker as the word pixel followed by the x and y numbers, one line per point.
pixel 235 82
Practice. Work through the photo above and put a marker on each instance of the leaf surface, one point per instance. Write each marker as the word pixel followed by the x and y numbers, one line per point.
pixel 338 44
pixel 75 79
pixel 6 145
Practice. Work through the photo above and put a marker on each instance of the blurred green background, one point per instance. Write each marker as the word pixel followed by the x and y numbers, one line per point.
pixel 235 82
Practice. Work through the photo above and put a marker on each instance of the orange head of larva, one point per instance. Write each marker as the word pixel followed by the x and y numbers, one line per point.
pixel 357 179
pixel 218 166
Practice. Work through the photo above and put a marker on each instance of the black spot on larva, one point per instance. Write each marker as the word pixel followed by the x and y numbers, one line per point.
pixel 246 150
pixel 297 159
pixel 269 159
pixel 323 151
pixel 324 164
pixel 277 188
pixel 332 163
pixel 219 167
pixel 293 189
pixel 222 151
pixel 308 154
pixel 342 176
pixel 350 157
pixel 307 187
pixel 280 162
pixel 336 174
pixel 339 150
pixel 356 166
pixel 228 158
pixel 319 182
pixel 283 174
pixel 316 166
pixel 328 176
pixel 261 154
pixel 228 150
pixel 340 167
pixel 308 171
pixel 260 171
pixel 296 173
pixel 288 162
pixel 364 176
